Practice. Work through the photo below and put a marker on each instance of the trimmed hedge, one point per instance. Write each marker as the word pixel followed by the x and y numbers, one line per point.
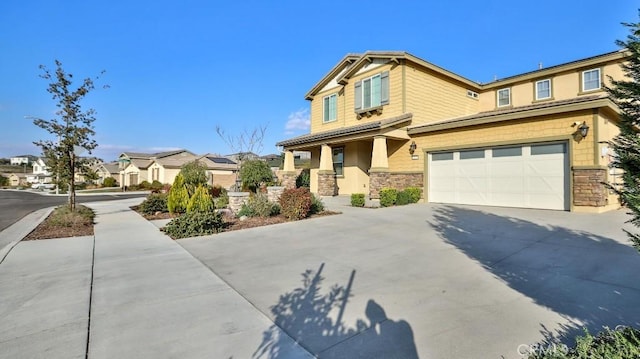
pixel 402 198
pixel 388 197
pixel 414 194
pixel 295 203
pixel 357 199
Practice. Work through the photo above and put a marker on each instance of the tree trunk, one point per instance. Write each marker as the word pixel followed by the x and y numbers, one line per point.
pixel 72 184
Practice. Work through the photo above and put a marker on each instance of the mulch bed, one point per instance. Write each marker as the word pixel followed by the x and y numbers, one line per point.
pixel 46 231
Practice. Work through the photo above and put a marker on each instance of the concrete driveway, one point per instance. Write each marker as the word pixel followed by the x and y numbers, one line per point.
pixel 430 281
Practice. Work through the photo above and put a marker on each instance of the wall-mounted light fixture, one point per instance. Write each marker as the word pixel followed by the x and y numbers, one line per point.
pixel 584 129
pixel 412 147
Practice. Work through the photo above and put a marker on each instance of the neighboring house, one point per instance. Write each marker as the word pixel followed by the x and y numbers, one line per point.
pixel 17 179
pixel 134 165
pixel 19 160
pixel 105 170
pixel 242 156
pixel 391 119
pixel 220 170
pixel 40 172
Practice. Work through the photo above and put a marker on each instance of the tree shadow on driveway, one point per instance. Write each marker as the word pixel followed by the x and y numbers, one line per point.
pixel 315 321
pixel 589 279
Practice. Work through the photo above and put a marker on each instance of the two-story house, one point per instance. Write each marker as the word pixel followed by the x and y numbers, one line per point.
pixel 535 140
pixel 40 172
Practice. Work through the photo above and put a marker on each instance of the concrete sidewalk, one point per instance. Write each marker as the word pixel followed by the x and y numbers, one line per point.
pixel 149 299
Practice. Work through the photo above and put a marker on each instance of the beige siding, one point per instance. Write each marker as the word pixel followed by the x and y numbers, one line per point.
pixel 432 97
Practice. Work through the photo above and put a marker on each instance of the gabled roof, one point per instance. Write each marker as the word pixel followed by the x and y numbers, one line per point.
pixel 174 162
pixel 354 62
pixel 574 104
pixel 143 155
pixel 342 64
pixel 365 127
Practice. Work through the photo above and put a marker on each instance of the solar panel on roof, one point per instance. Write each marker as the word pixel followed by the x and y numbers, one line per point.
pixel 221 160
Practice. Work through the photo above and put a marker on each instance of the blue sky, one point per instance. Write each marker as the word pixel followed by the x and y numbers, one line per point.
pixel 178 69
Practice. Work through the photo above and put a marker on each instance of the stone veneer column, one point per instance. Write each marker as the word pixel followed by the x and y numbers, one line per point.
pixel 274 192
pixel 588 186
pixel 379 172
pixel 236 200
pixel 288 174
pixel 326 176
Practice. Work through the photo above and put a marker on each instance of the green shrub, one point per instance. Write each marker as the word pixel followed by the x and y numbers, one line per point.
pixel 156 186
pixel 155 202
pixel 194 224
pixel 388 197
pixel 621 343
pixel 304 178
pixel 200 201
pixel 220 196
pixel 178 197
pixel 194 174
pixel 254 173
pixel 403 198
pixel 64 217
pixel 110 182
pixel 357 199
pixel 144 185
pixel 295 203
pixel 414 194
pixel 258 206
pixel 317 205
pixel 4 181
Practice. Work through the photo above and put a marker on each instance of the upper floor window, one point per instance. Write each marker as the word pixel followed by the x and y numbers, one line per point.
pixel 591 80
pixel 543 89
pixel 329 108
pixel 372 91
pixel 504 97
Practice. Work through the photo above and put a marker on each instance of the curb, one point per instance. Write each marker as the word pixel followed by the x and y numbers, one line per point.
pixel 17 231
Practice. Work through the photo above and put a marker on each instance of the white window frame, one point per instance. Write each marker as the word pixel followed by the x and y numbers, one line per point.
pixel 327 117
pixel 508 89
pixel 599 77
pixel 538 90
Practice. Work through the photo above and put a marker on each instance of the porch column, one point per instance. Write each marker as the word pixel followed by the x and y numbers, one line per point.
pixel 326 175
pixel 288 174
pixel 379 172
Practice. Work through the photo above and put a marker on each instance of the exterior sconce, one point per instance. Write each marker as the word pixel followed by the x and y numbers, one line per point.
pixel 584 129
pixel 412 146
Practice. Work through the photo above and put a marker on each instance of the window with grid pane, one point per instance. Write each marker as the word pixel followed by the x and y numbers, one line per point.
pixel 543 89
pixel 330 108
pixel 591 80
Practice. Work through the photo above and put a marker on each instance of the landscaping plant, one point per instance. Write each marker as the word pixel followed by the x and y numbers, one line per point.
pixel 626 145
pixel 194 224
pixel 194 174
pixel 304 178
pixel 317 205
pixel 414 194
pixel 388 197
pixel 110 182
pixel 200 201
pixel 155 202
pixel 402 198
pixel 254 173
pixel 357 200
pixel 178 197
pixel 295 203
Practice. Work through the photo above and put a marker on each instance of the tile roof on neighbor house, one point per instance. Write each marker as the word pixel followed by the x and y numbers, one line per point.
pixel 500 114
pixel 112 167
pixel 365 127
pixel 175 162
pixel 142 155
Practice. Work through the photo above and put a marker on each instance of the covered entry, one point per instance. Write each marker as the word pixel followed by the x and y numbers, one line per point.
pixel 530 176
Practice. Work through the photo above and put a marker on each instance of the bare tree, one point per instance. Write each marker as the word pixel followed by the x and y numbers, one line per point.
pixel 246 142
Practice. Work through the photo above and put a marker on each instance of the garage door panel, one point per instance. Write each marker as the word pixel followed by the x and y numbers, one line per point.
pixel 534 176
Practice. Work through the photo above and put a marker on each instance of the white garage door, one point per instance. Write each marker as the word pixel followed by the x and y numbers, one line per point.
pixel 531 176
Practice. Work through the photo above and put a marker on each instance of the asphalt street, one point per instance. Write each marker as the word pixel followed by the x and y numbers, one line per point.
pixel 14 205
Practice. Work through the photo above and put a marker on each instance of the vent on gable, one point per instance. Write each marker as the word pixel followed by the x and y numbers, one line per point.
pixel 472 94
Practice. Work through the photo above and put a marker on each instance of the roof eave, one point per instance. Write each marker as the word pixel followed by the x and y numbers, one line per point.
pixel 493 118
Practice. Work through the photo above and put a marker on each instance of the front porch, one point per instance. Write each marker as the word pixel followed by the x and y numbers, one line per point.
pixel 354 159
